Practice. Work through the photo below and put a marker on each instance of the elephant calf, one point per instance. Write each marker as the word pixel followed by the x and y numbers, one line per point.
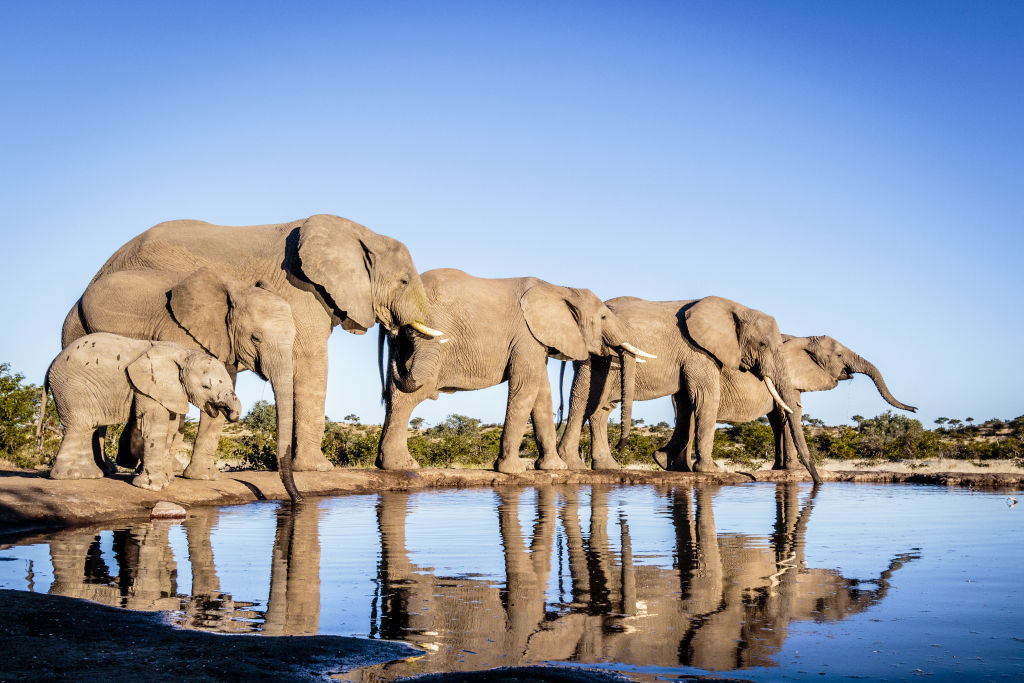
pixel 102 379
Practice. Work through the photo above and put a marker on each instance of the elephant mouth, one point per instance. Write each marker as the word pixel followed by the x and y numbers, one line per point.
pixel 847 373
pixel 404 347
pixel 212 409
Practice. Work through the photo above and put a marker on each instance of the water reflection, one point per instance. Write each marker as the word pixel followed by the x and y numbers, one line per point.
pixel 572 589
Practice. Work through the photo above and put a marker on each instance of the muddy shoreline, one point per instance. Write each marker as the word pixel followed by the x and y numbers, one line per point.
pixel 29 501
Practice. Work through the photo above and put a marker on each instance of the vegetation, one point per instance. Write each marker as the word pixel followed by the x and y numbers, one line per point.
pixel 462 441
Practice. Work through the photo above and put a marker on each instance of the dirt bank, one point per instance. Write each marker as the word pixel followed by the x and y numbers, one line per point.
pixel 31 501
pixel 47 637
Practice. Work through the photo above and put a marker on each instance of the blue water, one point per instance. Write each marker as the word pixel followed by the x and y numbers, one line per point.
pixel 762 581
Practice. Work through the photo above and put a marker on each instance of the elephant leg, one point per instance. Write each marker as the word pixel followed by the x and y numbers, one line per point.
pixel 675 455
pixel 582 403
pixel 154 421
pixel 99 454
pixel 704 397
pixel 176 436
pixel 75 457
pixel 204 451
pixel 393 452
pixel 544 430
pixel 310 373
pixel 600 452
pixel 522 394
pixel 790 459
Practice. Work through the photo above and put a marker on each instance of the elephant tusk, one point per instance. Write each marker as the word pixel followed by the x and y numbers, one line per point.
pixel 640 360
pixel 637 352
pixel 426 331
pixel 443 341
pixel 775 394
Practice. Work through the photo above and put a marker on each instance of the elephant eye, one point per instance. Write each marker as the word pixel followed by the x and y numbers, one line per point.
pixel 256 339
pixel 404 281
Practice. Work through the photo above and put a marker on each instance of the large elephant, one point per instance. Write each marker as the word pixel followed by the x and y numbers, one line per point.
pixel 815 363
pixel 505 330
pixel 102 379
pixel 328 270
pixel 695 341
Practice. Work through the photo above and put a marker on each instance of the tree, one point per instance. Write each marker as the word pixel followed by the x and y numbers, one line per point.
pixel 811 421
pixel 416 423
pixel 262 417
pixel 351 417
pixel 19 410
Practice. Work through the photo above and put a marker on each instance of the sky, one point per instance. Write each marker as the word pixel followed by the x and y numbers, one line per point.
pixel 853 169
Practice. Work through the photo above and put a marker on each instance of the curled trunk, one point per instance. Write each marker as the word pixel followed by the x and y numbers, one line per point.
pixel 412 359
pixel 864 367
pixel 627 378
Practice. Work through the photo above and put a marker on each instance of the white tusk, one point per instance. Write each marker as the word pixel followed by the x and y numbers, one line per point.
pixel 444 341
pixel 640 360
pixel 637 352
pixel 427 331
pixel 775 394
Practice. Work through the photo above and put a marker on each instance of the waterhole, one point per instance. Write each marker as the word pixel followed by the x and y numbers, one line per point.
pixel 760 581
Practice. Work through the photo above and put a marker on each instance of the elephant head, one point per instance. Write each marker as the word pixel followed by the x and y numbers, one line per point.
pixel 573 323
pixel 175 377
pixel 820 363
pixel 250 328
pixel 366 278
pixel 748 340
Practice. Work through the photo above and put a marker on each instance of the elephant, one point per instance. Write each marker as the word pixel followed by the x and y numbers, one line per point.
pixel 102 379
pixel 327 269
pixel 816 363
pixel 696 342
pixel 506 328
pixel 243 326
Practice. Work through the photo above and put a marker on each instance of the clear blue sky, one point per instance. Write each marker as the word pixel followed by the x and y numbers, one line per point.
pixel 854 169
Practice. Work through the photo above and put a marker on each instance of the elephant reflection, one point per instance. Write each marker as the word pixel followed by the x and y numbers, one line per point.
pixel 145 576
pixel 726 602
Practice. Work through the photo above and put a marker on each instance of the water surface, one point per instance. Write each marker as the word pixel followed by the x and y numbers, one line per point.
pixel 760 581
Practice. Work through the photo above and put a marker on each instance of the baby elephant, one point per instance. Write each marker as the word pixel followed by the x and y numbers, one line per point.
pixel 102 379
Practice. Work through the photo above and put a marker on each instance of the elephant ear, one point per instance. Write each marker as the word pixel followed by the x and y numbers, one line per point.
pixel 805 374
pixel 157 375
pixel 553 321
pixel 200 304
pixel 711 324
pixel 334 256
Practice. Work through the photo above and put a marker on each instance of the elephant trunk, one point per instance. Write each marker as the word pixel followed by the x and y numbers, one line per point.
pixel 412 359
pixel 796 432
pixel 858 364
pixel 627 378
pixel 279 372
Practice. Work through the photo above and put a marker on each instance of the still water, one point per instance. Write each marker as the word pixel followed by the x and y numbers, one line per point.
pixel 760 581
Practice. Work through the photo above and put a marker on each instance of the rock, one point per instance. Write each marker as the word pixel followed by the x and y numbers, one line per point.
pixel 167 510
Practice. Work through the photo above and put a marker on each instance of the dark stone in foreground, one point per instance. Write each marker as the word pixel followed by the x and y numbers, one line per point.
pixel 47 637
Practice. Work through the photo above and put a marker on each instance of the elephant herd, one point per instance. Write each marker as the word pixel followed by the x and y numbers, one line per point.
pixel 266 298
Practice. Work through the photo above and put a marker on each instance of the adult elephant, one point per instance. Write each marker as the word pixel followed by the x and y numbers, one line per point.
pixel 327 269
pixel 506 329
pixel 695 342
pixel 815 363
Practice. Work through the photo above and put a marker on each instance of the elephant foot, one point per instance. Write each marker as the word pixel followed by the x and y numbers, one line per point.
pixel 207 471
pixel 152 481
pixel 574 462
pixel 396 462
pixel 550 462
pixel 671 463
pixel 708 465
pixel 511 465
pixel 75 470
pixel 314 463
pixel 606 463
pixel 661 459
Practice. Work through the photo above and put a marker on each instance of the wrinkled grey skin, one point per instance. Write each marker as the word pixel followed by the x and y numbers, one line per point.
pixel 500 330
pixel 328 270
pixel 816 363
pixel 103 379
pixel 693 341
